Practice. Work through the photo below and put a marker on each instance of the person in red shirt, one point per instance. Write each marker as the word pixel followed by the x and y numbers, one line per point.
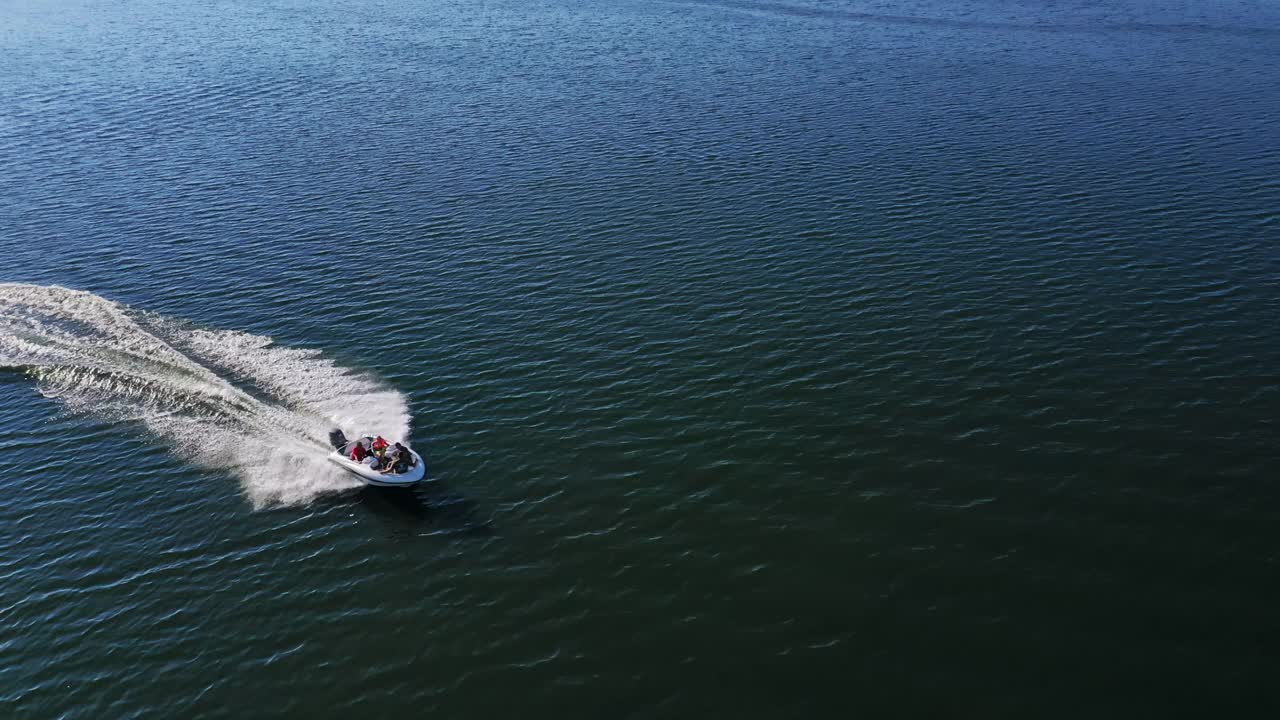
pixel 358 453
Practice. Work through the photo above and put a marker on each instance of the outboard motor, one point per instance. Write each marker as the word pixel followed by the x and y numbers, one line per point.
pixel 337 439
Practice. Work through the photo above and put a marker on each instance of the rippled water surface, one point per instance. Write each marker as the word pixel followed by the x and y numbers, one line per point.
pixel 770 359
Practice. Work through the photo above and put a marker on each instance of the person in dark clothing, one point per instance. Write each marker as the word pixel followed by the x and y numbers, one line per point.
pixel 404 460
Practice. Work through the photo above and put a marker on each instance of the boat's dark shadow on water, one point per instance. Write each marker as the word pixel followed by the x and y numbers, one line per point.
pixel 428 509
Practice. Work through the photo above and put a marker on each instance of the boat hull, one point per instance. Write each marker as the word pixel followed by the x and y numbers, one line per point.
pixel 372 477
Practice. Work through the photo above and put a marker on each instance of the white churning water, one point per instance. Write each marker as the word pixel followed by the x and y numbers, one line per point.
pixel 220 398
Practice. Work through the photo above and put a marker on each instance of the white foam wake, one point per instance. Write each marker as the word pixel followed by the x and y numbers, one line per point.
pixel 221 399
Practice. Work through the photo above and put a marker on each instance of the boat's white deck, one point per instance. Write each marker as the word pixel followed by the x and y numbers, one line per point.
pixel 374 477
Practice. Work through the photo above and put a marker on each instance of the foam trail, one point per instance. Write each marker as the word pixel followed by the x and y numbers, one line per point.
pixel 222 399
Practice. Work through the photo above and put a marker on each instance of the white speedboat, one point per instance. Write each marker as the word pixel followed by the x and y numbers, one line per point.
pixel 341 456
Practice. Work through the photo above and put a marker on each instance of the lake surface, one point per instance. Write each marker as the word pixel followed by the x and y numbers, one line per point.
pixel 770 359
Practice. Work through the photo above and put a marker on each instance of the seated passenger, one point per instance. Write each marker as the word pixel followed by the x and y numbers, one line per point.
pixel 358 453
pixel 404 459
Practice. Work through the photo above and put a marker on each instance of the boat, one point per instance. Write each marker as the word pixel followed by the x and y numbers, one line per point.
pixel 341 456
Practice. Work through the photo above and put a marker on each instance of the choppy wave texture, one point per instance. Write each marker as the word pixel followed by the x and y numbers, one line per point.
pixel 218 398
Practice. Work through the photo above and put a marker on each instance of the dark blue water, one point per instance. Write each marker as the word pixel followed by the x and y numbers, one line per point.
pixel 770 359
